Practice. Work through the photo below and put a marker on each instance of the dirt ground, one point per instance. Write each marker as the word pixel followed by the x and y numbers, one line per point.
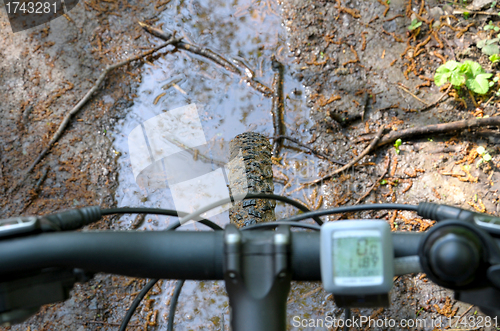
pixel 348 55
pixel 44 72
pixel 354 58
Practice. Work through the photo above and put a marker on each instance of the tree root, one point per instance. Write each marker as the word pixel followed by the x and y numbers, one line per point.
pixel 212 56
pixel 322 155
pixel 439 129
pixel 367 150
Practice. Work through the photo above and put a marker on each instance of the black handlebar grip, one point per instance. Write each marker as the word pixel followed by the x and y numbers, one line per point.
pixel 176 255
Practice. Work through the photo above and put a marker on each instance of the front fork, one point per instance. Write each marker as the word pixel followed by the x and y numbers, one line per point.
pixel 257 275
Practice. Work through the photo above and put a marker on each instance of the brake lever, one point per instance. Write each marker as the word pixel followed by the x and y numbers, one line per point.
pixel 20 298
pixel 19 226
pixel 64 221
pixel 438 212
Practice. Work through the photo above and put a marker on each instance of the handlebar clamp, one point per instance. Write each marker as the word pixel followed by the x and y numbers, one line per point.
pixel 257 274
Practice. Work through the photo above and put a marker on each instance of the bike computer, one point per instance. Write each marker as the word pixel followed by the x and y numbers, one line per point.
pixel 357 262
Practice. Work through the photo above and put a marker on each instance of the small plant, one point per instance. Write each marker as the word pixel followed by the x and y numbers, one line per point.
pixel 493 4
pixel 415 24
pixel 493 81
pixel 495 58
pixel 469 73
pixel 466 15
pixel 397 144
pixel 489 46
pixel 383 182
pixel 485 156
pixel 490 26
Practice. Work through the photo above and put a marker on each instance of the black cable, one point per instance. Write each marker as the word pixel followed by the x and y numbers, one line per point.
pixel 292 202
pixel 347 209
pixel 136 303
pixel 140 210
pixel 347 317
pixel 156 211
pixel 173 304
pixel 275 224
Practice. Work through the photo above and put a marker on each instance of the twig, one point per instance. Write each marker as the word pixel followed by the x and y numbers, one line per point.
pixel 211 55
pixel 432 105
pixel 439 129
pixel 278 106
pixel 367 150
pixel 195 153
pixel 34 193
pixel 413 95
pixel 489 100
pixel 42 179
pixel 459 12
pixel 377 183
pixel 83 101
pixel 326 157
pixel 2 181
pixel 139 220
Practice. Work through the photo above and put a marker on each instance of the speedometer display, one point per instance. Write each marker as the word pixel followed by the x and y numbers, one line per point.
pixel 357 258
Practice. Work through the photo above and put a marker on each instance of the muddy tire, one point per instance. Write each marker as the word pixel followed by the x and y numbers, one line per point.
pixel 256 155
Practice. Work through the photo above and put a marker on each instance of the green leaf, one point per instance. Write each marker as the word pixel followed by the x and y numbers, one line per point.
pixel 383 182
pixel 494 58
pixel 480 150
pixel 479 84
pixel 444 72
pixel 414 25
pixel 457 78
pixel 489 46
pixel 490 49
pixel 398 143
pixel 487 157
pixel 450 65
pixel 475 68
pixel 440 79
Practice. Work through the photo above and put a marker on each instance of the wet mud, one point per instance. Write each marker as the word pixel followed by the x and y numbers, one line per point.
pixel 348 70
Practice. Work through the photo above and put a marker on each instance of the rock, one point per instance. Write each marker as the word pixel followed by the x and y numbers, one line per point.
pixel 436 13
pixel 390 26
pixel 480 4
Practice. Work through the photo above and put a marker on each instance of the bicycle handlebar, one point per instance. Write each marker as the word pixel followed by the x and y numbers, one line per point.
pixel 30 258
pixel 169 255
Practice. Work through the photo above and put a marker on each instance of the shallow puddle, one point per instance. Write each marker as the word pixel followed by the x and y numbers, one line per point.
pixel 247 32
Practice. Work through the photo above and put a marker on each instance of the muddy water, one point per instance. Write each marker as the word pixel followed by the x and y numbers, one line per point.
pixel 249 32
